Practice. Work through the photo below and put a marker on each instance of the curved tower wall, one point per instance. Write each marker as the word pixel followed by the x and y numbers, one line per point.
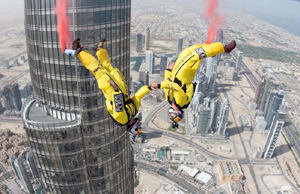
pixel 77 147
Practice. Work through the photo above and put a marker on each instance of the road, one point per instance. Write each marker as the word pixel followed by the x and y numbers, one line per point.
pixel 10 120
pixel 163 172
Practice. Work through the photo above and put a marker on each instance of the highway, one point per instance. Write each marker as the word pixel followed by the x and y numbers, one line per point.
pixel 11 120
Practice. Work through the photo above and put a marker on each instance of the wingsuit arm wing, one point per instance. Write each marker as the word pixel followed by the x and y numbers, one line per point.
pixel 168 73
pixel 137 97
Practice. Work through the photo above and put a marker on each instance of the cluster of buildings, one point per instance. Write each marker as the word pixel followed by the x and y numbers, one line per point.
pixel 26 173
pixel 4 63
pixel 10 144
pixel 12 98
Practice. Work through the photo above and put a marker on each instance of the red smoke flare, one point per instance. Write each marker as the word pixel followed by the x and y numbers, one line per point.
pixel 214 20
pixel 61 11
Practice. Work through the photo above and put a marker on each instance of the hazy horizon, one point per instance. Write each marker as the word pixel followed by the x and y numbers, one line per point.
pixel 281 13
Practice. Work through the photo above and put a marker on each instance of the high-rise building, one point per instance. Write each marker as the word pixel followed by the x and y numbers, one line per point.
pixel 144 78
pixel 12 163
pixel 139 42
pixel 259 92
pixel 150 61
pixel 32 165
pixel 275 130
pixel 211 74
pixel 28 90
pixel 273 104
pixel 1 107
pixel 12 97
pixel 24 178
pixel 203 119
pixel 147 39
pixel 213 104
pixel 270 85
pixel 179 45
pixel 223 118
pixel 163 64
pixel 77 147
pixel 239 61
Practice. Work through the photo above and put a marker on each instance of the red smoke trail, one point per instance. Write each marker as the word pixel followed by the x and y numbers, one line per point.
pixel 214 20
pixel 61 11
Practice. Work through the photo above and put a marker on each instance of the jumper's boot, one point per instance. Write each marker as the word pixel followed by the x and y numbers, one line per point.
pixel 101 44
pixel 229 47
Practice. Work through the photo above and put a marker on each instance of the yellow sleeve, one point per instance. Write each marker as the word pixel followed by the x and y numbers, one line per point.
pixel 168 74
pixel 190 92
pixel 178 94
pixel 137 97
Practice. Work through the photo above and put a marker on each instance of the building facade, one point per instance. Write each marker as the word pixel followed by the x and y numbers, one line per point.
pixel 179 45
pixel 229 171
pixel 163 64
pixel 273 104
pixel 77 148
pixel 239 61
pixel 24 178
pixel 150 61
pixel 12 97
pixel 275 130
pixel 223 118
pixel 147 39
pixel 138 42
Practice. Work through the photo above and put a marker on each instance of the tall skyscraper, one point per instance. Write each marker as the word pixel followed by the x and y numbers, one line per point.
pixel 24 178
pixel 28 90
pixel 1 107
pixel 12 163
pixel 32 165
pixel 144 78
pixel 150 61
pixel 213 104
pixel 239 61
pixel 211 74
pixel 223 118
pixel 12 97
pixel 179 45
pixel 77 148
pixel 203 119
pixel 139 42
pixel 163 64
pixel 273 103
pixel 259 92
pixel 147 39
pixel 269 86
pixel 275 130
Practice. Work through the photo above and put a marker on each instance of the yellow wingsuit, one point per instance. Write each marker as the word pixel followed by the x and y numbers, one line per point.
pixel 118 103
pixel 178 84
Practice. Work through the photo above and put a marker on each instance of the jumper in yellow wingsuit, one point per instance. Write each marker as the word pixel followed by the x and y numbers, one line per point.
pixel 111 81
pixel 178 86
